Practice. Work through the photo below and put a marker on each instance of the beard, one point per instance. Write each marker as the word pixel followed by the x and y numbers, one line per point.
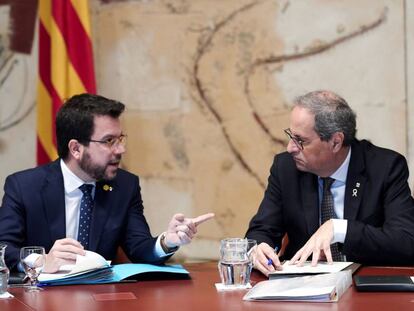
pixel 96 171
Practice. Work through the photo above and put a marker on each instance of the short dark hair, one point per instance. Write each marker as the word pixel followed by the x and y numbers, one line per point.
pixel 332 114
pixel 75 119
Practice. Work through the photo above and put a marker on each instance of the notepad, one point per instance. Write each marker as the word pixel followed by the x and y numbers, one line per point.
pixel 384 283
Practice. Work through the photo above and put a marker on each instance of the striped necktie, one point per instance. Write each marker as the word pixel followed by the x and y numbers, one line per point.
pixel 328 212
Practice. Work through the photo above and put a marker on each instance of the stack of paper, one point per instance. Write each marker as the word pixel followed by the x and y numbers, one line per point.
pixel 316 288
pixel 84 264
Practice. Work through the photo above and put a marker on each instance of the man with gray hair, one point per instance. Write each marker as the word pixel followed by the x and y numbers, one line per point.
pixel 336 198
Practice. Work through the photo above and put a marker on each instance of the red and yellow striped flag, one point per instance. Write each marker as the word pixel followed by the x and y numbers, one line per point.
pixel 65 65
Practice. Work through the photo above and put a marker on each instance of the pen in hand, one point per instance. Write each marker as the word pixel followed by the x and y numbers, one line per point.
pixel 270 261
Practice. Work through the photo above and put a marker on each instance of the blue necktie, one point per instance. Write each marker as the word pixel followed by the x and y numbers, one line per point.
pixel 328 212
pixel 85 215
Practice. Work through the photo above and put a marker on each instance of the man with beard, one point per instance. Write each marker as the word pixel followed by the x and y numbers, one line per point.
pixel 336 198
pixel 83 200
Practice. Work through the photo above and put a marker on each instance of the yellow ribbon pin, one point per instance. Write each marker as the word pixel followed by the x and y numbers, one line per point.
pixel 107 188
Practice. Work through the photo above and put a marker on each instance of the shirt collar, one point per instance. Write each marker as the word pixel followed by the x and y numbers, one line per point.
pixel 341 173
pixel 70 180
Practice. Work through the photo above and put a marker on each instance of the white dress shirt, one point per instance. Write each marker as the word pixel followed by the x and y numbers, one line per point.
pixel 338 192
pixel 73 196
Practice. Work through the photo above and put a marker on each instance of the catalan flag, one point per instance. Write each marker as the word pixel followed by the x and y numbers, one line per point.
pixel 65 65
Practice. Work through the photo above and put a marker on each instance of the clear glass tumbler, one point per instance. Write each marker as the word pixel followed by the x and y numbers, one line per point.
pixel 33 260
pixel 236 261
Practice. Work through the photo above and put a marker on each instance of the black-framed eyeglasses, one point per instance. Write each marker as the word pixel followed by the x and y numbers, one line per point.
pixel 111 142
pixel 298 141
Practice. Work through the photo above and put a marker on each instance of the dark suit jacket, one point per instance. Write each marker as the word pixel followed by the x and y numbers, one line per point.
pixel 380 216
pixel 33 213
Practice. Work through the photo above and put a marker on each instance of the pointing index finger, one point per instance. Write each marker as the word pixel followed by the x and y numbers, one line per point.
pixel 202 218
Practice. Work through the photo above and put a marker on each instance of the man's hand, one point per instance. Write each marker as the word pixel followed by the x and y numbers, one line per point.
pixel 319 241
pixel 181 230
pixel 265 259
pixel 63 252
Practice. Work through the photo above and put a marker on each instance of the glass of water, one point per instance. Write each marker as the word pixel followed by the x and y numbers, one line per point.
pixel 33 260
pixel 4 271
pixel 236 261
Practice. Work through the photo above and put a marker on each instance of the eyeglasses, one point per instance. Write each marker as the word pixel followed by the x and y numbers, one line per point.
pixel 298 141
pixel 112 142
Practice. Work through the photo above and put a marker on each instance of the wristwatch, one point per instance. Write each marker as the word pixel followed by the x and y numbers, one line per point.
pixel 164 246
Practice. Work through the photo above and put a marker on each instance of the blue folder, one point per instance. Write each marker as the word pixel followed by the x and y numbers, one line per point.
pixel 119 273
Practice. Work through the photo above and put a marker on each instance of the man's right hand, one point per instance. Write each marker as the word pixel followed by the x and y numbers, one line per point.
pixel 265 259
pixel 63 252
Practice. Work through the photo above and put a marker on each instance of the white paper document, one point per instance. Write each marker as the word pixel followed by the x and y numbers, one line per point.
pixel 314 288
pixel 91 261
pixel 6 295
pixel 308 269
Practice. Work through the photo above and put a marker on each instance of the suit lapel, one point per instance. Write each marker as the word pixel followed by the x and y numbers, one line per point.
pixel 53 196
pixel 309 193
pixel 355 183
pixel 104 198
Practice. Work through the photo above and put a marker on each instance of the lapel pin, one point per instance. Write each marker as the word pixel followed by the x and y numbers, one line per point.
pixel 107 188
pixel 357 184
pixel 354 192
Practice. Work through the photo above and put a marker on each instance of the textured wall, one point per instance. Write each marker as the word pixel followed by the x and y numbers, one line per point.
pixel 208 87
pixel 17 97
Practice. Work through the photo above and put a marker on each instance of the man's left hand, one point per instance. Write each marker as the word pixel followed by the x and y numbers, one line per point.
pixel 181 229
pixel 319 245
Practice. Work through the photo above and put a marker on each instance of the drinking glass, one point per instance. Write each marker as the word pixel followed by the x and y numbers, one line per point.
pixel 236 261
pixel 4 271
pixel 33 260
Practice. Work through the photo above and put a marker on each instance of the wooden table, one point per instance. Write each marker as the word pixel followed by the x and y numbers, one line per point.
pixel 197 294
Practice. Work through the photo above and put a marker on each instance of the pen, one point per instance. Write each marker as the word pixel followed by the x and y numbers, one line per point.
pixel 270 261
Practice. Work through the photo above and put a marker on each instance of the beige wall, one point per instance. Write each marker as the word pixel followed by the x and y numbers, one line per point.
pixel 17 105
pixel 192 76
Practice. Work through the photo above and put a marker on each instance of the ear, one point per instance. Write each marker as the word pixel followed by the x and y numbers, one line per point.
pixel 75 149
pixel 337 141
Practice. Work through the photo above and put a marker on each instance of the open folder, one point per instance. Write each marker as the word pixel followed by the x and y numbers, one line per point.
pixel 94 269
